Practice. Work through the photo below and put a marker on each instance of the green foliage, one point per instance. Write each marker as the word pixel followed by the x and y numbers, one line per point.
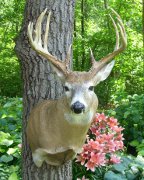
pixel 130 168
pixel 139 146
pixel 130 113
pixel 9 148
pixel 10 115
pixel 9 172
pixel 11 18
pixel 127 76
pixel 126 80
pixel 97 34
pixel 79 171
pixel 10 137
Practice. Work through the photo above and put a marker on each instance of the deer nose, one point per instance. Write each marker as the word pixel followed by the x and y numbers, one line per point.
pixel 77 107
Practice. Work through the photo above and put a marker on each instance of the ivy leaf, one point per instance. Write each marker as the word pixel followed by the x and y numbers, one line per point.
pixel 6 159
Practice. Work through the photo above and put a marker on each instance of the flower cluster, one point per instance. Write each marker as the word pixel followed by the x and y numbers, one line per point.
pixel 105 139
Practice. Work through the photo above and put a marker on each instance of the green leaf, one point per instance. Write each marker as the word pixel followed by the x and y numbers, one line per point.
pixel 12 127
pixel 130 175
pixel 112 176
pixel 119 167
pixel 126 161
pixel 7 142
pixel 13 176
pixel 4 139
pixel 126 114
pixel 134 143
pixel 6 159
pixel 8 104
pixel 4 135
pixel 11 151
pixel 3 116
pixel 14 168
pixel 141 153
pixel 2 150
pixel 113 113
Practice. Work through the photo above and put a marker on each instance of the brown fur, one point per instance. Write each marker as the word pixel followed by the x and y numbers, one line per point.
pixel 47 129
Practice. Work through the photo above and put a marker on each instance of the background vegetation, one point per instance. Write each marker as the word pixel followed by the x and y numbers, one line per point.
pixel 121 95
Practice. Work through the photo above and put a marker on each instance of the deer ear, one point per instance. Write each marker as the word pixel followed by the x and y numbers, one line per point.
pixel 58 72
pixel 103 73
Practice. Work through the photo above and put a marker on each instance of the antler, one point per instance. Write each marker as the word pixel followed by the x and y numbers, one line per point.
pixel 41 47
pixel 97 65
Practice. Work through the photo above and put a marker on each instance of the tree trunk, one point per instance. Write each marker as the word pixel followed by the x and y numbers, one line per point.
pixel 107 21
pixel 143 21
pixel 82 34
pixel 39 81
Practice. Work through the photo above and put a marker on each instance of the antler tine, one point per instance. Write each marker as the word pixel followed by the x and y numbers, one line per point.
pixel 122 28
pixel 29 32
pixel 67 61
pixel 122 32
pixel 38 28
pixel 92 58
pixel 119 19
pixel 37 45
pixel 117 33
pixel 118 48
pixel 46 32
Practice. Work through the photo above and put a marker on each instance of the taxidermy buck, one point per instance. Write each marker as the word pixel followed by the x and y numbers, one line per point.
pixel 57 129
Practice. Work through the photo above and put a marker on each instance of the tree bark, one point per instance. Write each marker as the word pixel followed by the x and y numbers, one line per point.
pixel 39 81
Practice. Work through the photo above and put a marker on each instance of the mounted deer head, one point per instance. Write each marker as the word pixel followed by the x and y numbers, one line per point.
pixel 57 129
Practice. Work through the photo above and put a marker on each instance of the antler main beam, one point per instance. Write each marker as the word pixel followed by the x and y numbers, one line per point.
pixel 35 39
pixel 97 65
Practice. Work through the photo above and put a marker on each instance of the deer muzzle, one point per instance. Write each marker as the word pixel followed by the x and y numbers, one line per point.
pixel 77 107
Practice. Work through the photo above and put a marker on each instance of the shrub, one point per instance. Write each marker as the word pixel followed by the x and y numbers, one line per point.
pixel 130 113
pixel 130 168
pixel 10 138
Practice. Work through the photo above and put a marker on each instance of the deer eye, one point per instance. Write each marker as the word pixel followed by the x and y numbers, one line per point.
pixel 91 88
pixel 66 88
